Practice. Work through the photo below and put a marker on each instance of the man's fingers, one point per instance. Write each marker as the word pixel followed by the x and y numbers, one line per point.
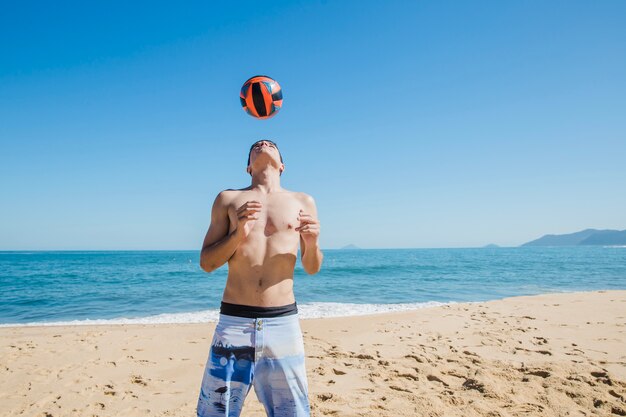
pixel 248 217
pixel 251 203
pixel 308 228
pixel 306 219
pixel 249 210
pixel 247 204
pixel 249 213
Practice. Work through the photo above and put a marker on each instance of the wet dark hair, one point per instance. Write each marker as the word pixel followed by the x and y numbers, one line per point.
pixel 265 140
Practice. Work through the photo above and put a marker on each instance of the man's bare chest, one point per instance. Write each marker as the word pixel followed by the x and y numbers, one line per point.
pixel 279 213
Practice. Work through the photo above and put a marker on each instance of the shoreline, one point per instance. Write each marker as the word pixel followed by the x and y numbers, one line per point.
pixel 394 308
pixel 547 354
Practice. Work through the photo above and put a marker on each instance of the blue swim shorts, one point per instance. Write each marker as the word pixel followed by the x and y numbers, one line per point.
pixel 267 352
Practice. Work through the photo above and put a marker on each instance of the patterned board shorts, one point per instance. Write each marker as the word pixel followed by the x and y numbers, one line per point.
pixel 264 352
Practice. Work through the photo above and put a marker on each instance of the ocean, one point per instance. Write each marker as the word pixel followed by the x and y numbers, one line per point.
pixel 123 287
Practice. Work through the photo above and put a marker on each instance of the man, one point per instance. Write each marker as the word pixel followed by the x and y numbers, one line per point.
pixel 258 340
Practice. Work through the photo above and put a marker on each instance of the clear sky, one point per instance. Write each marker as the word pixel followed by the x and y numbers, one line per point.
pixel 412 124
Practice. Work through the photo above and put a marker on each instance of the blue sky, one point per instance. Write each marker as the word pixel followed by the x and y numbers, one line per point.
pixel 412 124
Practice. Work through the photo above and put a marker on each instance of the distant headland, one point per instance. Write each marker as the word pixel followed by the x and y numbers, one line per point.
pixel 351 246
pixel 585 237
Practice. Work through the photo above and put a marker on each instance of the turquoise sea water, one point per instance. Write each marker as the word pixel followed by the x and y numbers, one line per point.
pixel 169 286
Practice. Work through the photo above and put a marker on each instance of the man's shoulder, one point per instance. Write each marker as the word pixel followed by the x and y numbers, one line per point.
pixel 233 191
pixel 230 191
pixel 303 197
pixel 306 201
pixel 227 195
pixel 296 194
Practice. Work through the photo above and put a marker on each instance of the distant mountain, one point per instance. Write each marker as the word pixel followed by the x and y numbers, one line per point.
pixel 572 239
pixel 584 237
pixel 350 246
pixel 606 237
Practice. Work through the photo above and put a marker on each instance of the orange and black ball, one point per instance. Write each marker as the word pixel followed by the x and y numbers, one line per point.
pixel 261 97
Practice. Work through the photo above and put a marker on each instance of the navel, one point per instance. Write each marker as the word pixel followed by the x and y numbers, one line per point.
pixel 260 282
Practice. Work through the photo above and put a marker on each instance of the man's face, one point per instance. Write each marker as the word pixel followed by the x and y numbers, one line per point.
pixel 265 149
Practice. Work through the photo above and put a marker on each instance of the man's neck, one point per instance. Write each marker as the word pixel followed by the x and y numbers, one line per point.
pixel 266 181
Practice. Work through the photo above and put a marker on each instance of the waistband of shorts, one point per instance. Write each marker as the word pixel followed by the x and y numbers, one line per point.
pixel 240 310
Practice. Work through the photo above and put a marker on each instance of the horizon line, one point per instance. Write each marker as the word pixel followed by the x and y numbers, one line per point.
pixel 198 250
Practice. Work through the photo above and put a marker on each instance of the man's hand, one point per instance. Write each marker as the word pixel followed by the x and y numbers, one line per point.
pixel 309 227
pixel 247 216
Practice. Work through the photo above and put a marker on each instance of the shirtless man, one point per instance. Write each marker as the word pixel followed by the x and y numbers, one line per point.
pixel 258 340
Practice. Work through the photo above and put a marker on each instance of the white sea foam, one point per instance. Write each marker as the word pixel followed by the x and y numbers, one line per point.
pixel 319 310
pixel 305 311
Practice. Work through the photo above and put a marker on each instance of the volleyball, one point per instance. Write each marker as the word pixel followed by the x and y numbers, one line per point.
pixel 261 97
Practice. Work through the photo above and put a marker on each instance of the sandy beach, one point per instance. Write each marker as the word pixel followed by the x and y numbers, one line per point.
pixel 546 355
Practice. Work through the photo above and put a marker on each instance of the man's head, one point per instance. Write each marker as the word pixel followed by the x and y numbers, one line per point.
pixel 269 149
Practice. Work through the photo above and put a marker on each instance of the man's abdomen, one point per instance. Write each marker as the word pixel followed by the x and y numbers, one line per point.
pixel 263 292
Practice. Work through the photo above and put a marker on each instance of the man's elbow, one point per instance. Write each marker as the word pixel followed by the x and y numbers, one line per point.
pixel 207 265
pixel 311 271
pixel 207 261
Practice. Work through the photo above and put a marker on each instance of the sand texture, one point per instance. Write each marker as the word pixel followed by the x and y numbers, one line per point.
pixel 546 355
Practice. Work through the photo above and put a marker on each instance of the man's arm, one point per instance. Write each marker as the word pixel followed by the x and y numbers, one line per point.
pixel 310 253
pixel 218 244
